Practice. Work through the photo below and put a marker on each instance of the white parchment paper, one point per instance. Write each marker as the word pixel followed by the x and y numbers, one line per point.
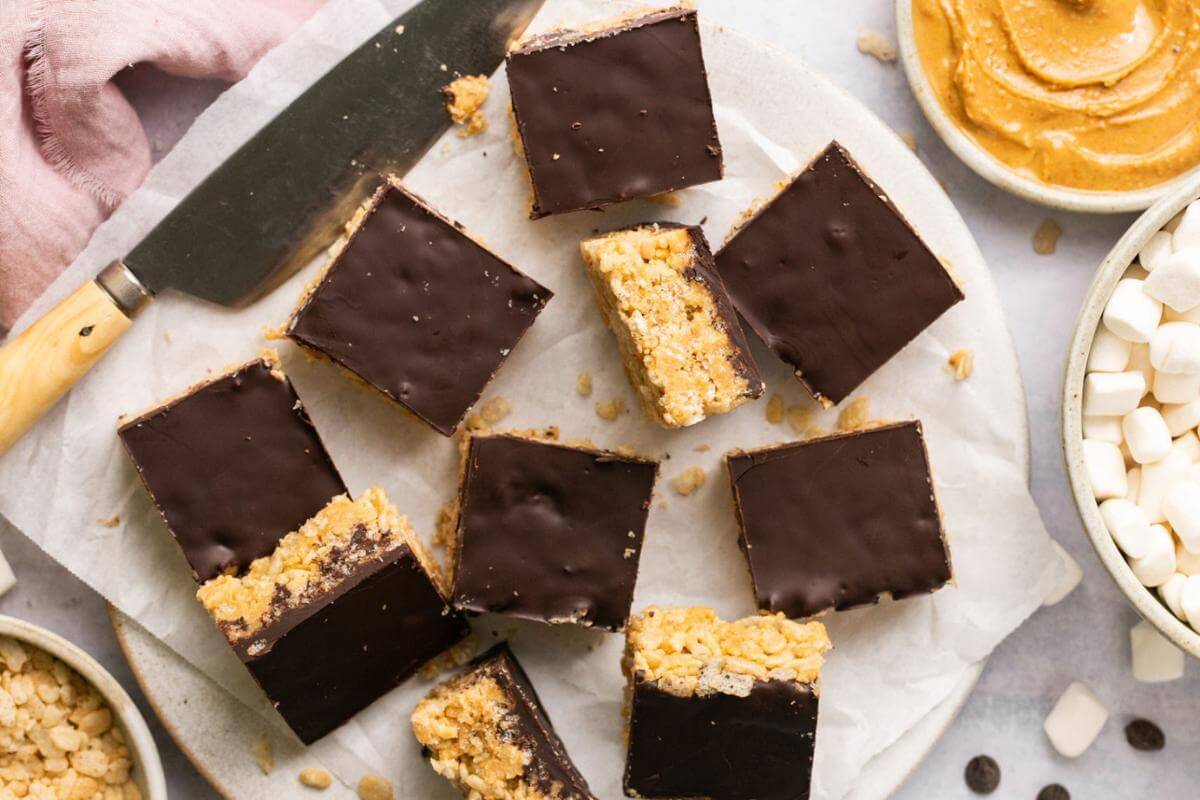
pixel 892 663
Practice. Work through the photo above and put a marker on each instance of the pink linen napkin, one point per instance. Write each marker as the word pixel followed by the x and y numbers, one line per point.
pixel 71 146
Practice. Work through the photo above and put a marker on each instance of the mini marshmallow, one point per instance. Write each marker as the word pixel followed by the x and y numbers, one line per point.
pixel 1171 593
pixel 1133 483
pixel 1075 721
pixel 1169 388
pixel 1139 361
pixel 1189 445
pixel 1108 394
pixel 1186 563
pixel 1155 660
pixel 1146 435
pixel 1157 478
pixel 1190 600
pixel 1181 417
pixel 1158 565
pixel 1110 353
pixel 1185 227
pixel 1176 281
pixel 1106 429
pixel 1175 348
pixel 1155 250
pixel 1072 575
pixel 1131 313
pixel 1128 526
pixel 1105 468
pixel 1181 507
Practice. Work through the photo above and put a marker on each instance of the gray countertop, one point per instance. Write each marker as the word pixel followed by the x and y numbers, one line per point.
pixel 1086 637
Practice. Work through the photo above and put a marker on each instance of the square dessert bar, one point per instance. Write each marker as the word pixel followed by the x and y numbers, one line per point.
pixel 486 732
pixel 677 331
pixel 835 522
pixel 415 307
pixel 617 111
pixel 549 532
pixel 721 710
pixel 232 464
pixel 345 608
pixel 832 277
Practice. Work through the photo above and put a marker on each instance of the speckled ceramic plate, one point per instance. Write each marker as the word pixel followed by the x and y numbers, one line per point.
pixel 216 731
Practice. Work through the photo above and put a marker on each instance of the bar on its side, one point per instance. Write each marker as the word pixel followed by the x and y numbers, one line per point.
pixel 832 277
pixel 549 532
pixel 345 608
pixel 721 710
pixel 412 305
pixel 835 522
pixel 615 111
pixel 486 732
pixel 677 332
pixel 233 464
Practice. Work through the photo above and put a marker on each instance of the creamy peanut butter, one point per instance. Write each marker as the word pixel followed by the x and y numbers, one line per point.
pixel 1089 94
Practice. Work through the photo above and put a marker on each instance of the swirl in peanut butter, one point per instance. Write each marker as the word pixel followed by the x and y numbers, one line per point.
pixel 1089 94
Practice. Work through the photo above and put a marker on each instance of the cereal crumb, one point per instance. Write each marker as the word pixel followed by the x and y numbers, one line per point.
pixel 876 45
pixel 374 787
pixel 610 409
pixel 399 30
pixel 1045 238
pixel 263 754
pixel 800 418
pixel 961 363
pixel 625 451
pixel 465 97
pixel 689 480
pixel 450 659
pixel 583 384
pixel 316 778
pixel 775 410
pixel 629 552
pixel 855 414
pixel 495 410
pixel 110 522
pixel 701 448
pixel 909 138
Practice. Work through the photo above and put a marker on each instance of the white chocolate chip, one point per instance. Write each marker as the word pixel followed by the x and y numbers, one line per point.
pixel 1075 721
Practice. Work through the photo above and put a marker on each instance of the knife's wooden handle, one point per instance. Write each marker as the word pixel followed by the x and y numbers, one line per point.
pixel 38 367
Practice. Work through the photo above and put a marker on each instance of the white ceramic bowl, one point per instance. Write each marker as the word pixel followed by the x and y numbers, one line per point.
pixel 148 772
pixel 1145 600
pixel 997 172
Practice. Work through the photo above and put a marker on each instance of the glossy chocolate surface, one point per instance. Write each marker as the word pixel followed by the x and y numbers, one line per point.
pixel 758 747
pixel 832 278
pixel 322 663
pixel 614 114
pixel 832 523
pixel 550 768
pixel 233 466
pixel 418 310
pixel 549 532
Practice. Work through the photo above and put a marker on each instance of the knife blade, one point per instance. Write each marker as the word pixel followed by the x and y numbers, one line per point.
pixel 278 199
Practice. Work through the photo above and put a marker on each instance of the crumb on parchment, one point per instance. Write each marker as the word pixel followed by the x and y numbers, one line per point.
pixel 316 778
pixel 701 448
pixel 450 659
pixel 855 415
pixel 610 409
pixel 465 97
pixel 961 363
pixel 495 410
pixel 375 787
pixel 109 522
pixel 264 756
pixel 775 410
pixel 689 480
pixel 583 384
pixel 876 45
pixel 800 419
pixel 1045 238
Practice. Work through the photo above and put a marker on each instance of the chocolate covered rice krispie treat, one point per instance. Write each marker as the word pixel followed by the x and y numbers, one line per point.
pixel 345 607
pixel 721 710
pixel 486 732
pixel 678 334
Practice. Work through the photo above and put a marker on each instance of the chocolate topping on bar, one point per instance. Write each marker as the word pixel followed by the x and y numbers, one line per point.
pixel 832 523
pixel 418 309
pixel 613 114
pixel 233 465
pixel 720 746
pixel 550 532
pixel 832 277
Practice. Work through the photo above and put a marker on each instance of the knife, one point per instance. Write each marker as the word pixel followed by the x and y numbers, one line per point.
pixel 278 200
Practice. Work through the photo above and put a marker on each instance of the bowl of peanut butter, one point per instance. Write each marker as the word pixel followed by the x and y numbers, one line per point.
pixel 1087 105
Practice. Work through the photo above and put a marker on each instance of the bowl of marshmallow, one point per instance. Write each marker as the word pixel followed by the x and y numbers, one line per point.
pixel 1131 407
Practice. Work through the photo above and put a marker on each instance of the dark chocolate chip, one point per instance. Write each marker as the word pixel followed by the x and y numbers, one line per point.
pixel 1055 791
pixel 982 774
pixel 1142 734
